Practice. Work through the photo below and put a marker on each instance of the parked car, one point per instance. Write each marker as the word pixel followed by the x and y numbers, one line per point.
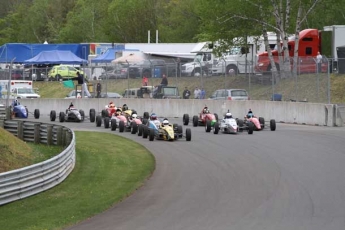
pixel 230 94
pixel 110 95
pixel 118 71
pixel 59 72
pixel 73 94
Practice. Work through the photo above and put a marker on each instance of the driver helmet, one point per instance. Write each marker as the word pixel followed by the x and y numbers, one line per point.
pixel 153 116
pixel 71 105
pixel 111 105
pixel 165 122
pixel 206 110
pixel 15 102
pixel 118 111
pixel 134 116
pixel 249 115
pixel 124 107
pixel 228 115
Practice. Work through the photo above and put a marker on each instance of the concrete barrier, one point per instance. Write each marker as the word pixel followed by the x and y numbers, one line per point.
pixel 282 111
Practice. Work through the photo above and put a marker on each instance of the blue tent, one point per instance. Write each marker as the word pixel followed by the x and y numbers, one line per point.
pixel 109 55
pixel 55 57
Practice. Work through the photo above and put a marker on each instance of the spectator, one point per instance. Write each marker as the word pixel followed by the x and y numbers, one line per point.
pixel 99 89
pixel 196 93
pixel 319 62
pixel 202 93
pixel 145 81
pixel 164 80
pixel 82 81
pixel 186 93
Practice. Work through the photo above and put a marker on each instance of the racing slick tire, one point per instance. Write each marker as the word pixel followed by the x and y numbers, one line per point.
pixel 113 125
pixel 121 126
pixel 185 119
pixel 62 117
pixel 188 134
pixel 37 113
pixel 208 126
pixel 52 115
pixel 179 131
pixel 240 123
pixel 105 113
pixel 151 135
pixel 145 131
pixel 262 122
pixel 140 130
pixel 82 114
pixel 195 121
pixel 273 125
pixel 144 121
pixel 175 125
pixel 146 115
pixel 250 127
pixel 106 122
pixel 134 127
pixel 216 128
pixel 92 115
pixel 216 116
pixel 98 121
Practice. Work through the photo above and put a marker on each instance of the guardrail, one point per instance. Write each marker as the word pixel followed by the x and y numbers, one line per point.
pixel 30 180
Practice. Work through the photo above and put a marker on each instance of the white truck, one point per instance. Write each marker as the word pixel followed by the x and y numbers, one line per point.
pixel 239 59
pixel 19 89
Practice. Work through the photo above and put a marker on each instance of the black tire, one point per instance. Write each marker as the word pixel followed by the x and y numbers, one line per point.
pixel 52 115
pixel 229 67
pixel 140 130
pixel 113 125
pixel 103 113
pixel 58 77
pixel 37 113
pixel 82 114
pixel 92 115
pixel 188 134
pixel 98 121
pixel 216 128
pixel 121 126
pixel 250 127
pixel 145 131
pixel 134 127
pixel 175 126
pixel 185 119
pixel 27 111
pixel 151 135
pixel 106 122
pixel 262 122
pixel 240 123
pixel 61 116
pixel 195 121
pixel 216 116
pixel 208 126
pixel 146 115
pixel 144 121
pixel 180 130
pixel 273 125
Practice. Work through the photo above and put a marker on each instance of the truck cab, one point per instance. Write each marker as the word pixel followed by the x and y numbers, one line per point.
pixel 21 93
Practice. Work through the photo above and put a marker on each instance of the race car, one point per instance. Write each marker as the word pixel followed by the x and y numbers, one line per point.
pixel 165 131
pixel 205 118
pixel 71 115
pixel 20 111
pixel 258 123
pixel 229 125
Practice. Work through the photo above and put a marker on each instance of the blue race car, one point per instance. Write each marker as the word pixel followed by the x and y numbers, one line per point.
pixel 21 111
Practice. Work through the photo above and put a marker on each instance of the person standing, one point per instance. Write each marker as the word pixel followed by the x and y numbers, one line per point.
pixel 319 62
pixel 82 81
pixel 99 89
pixel 145 81
pixel 202 94
pixel 164 80
pixel 196 93
pixel 186 93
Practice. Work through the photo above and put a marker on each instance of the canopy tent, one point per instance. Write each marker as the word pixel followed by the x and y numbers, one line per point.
pixel 55 57
pixel 109 55
pixel 131 58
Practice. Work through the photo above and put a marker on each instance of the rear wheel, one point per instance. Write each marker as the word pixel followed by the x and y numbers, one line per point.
pixel 185 119
pixel 188 134
pixel 250 127
pixel 216 128
pixel 62 117
pixel 151 134
pixel 106 122
pixel 146 115
pixel 52 115
pixel 180 130
pixel 216 116
pixel 140 130
pixel 113 125
pixel 145 131
pixel 195 121
pixel 240 123
pixel 208 126
pixel 262 122
pixel 82 114
pixel 273 125
pixel 134 128
pixel 92 115
pixel 98 121
pixel 144 121
pixel 121 126
pixel 37 113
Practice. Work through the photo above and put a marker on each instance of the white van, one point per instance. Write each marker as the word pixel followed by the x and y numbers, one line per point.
pixel 230 94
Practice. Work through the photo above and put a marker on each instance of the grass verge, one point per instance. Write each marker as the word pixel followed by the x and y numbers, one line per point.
pixel 108 169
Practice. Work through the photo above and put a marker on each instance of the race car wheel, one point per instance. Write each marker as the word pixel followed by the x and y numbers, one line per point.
pixel 179 130
pixel 121 126
pixel 188 134
pixel 250 127
pixel 195 121
pixel 216 128
pixel 52 115
pixel 134 127
pixel 146 115
pixel 262 122
pixel 103 113
pixel 37 113
pixel 240 123
pixel 151 134
pixel 92 115
pixel 216 116
pixel 145 131
pixel 82 114
pixel 208 126
pixel 175 126
pixel 106 122
pixel 185 119
pixel 273 125
pixel 140 130
pixel 144 121
pixel 113 125
pixel 98 121
pixel 61 116
pixel 27 111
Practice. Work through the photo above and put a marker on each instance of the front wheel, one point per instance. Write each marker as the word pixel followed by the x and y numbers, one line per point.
pixel 216 128
pixel 208 126
pixel 188 134
pixel 37 113
pixel 52 115
pixel 273 125
pixel 185 119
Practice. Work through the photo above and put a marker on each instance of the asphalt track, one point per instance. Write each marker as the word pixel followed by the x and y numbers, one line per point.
pixel 290 179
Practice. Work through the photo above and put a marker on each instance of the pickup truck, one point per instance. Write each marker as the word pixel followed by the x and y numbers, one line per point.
pixel 20 93
pixel 163 92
